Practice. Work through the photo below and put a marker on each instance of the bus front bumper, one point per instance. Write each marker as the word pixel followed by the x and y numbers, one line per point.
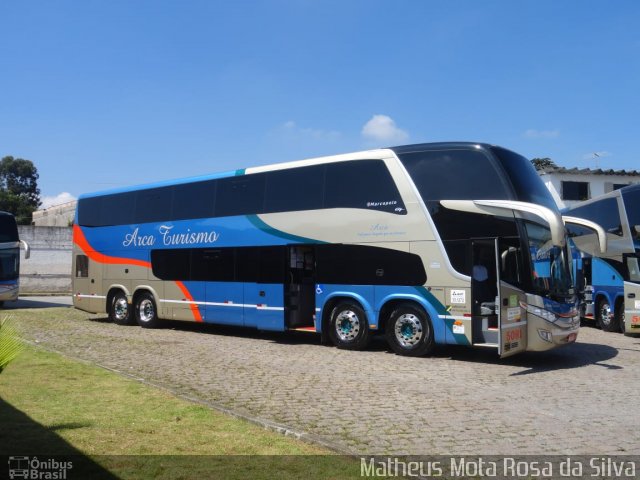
pixel 545 335
pixel 8 292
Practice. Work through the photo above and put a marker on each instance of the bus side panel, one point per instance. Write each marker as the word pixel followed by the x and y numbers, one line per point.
pixel 264 306
pixel 225 303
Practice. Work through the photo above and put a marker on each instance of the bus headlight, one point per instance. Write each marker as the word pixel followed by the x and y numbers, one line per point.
pixel 540 312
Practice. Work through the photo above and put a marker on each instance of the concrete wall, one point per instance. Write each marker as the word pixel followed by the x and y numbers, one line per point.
pixel 49 268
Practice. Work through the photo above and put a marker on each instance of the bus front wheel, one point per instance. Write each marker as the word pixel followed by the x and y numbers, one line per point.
pixel 409 331
pixel 605 316
pixel 146 312
pixel 349 328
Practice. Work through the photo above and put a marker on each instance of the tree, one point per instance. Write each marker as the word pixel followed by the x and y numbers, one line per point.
pixel 19 192
pixel 541 163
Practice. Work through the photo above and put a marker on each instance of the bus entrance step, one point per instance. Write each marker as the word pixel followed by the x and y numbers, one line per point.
pixel 488 345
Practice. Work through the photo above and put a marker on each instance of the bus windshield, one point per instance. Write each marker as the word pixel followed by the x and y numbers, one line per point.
pixel 8 228
pixel 631 200
pixel 549 263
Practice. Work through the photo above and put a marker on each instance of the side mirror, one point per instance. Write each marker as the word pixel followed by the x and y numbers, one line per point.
pixel 27 249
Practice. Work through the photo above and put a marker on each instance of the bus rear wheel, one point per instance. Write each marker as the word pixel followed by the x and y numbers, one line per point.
pixel 146 312
pixel 604 316
pixel 119 311
pixel 348 327
pixel 409 331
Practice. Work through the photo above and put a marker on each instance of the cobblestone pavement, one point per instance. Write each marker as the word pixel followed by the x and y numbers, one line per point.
pixel 580 399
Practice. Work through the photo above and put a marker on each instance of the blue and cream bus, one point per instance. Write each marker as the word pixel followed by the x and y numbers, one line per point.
pixel 608 267
pixel 10 258
pixel 443 243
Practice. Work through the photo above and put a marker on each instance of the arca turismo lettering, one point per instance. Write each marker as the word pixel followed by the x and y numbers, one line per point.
pixel 168 237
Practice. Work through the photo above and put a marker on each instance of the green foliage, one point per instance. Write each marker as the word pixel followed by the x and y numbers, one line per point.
pixel 19 192
pixel 10 344
pixel 541 163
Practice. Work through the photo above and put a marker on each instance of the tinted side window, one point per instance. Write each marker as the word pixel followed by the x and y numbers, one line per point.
pixel 455 175
pixel 365 184
pixel 89 211
pixel 118 209
pixel 171 264
pixel 363 265
pixel 603 212
pixel 193 200
pixel 153 205
pixel 295 189
pixel 213 264
pixel 240 195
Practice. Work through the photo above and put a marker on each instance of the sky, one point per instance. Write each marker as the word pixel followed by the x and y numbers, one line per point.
pixel 111 93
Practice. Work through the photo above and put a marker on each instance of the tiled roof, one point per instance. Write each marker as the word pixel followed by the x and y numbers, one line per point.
pixel 589 171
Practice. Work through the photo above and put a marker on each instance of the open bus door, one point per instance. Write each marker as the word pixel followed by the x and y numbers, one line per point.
pixel 512 318
pixel 498 320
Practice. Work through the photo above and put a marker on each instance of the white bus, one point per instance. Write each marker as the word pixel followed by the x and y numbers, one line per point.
pixel 443 243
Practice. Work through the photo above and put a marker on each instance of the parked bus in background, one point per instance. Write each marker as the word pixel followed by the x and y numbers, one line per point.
pixel 10 258
pixel 611 277
pixel 444 243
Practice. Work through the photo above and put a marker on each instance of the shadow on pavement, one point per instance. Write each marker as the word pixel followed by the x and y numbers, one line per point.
pixel 570 356
pixel 24 443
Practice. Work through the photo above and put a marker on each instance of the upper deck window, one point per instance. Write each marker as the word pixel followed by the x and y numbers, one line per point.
pixel 364 184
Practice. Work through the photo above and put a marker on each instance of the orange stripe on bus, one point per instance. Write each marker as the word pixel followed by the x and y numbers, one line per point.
pixel 80 240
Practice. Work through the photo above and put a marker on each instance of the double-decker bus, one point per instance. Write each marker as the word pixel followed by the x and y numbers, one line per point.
pixel 443 243
pixel 610 275
pixel 10 258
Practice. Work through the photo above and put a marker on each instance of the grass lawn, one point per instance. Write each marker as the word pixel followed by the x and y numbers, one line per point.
pixel 116 427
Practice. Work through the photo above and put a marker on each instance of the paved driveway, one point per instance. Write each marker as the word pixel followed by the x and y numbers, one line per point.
pixel 577 400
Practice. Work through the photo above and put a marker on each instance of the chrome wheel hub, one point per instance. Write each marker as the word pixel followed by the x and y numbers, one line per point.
pixel 121 308
pixel 408 330
pixel 347 326
pixel 146 311
pixel 605 313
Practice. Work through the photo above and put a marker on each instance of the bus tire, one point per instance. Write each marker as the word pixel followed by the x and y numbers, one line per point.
pixel 409 331
pixel 348 327
pixel 119 310
pixel 605 317
pixel 146 312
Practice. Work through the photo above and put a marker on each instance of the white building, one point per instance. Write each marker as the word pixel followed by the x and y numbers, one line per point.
pixel 57 216
pixel 572 185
